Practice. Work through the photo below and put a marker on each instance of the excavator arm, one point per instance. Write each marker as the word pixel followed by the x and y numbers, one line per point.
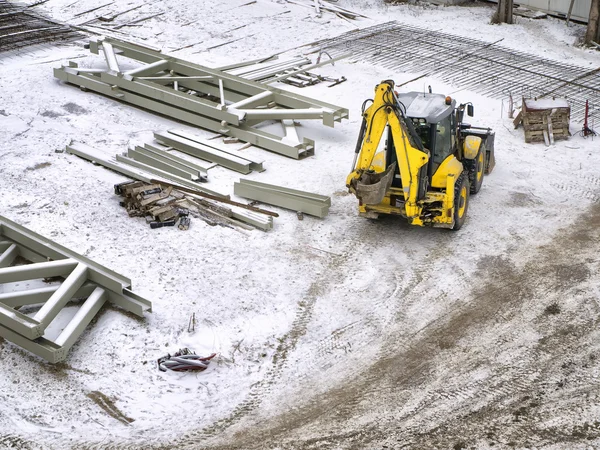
pixel 367 180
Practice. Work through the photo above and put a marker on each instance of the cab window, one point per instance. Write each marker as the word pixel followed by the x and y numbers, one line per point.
pixel 443 141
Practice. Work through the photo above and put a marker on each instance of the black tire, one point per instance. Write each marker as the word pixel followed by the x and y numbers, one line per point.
pixel 477 170
pixel 461 200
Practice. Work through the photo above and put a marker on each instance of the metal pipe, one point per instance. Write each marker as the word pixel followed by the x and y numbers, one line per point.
pixel 39 270
pixel 82 318
pixel 62 295
pixel 7 257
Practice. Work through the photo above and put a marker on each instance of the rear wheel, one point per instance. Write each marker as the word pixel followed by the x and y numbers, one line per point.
pixel 461 200
pixel 478 170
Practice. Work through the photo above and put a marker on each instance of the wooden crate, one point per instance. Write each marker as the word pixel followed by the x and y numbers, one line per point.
pixel 546 119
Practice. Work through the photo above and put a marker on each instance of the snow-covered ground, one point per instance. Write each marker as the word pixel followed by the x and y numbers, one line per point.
pixel 333 333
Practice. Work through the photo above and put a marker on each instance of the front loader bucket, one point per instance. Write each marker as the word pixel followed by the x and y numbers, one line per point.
pixel 372 186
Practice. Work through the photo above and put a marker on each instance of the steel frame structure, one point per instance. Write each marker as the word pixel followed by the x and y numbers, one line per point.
pixel 209 98
pixel 484 67
pixel 83 278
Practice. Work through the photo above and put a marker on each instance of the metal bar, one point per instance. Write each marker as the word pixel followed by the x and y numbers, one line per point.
pixel 246 63
pixel 167 166
pixel 284 200
pixel 38 270
pixel 281 114
pixel 41 347
pixel 19 322
pixel 111 58
pixel 166 175
pixel 252 102
pixel 8 256
pixel 254 164
pixel 168 155
pixel 311 196
pixel 82 319
pixel 147 69
pixel 39 295
pixel 62 295
pixel 193 148
pixel 166 158
pixel 93 155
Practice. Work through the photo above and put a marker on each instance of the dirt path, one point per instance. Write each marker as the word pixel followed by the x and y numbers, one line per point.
pixel 513 363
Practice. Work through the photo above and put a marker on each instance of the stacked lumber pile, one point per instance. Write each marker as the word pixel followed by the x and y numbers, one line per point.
pixel 545 120
pixel 164 205
pixel 161 207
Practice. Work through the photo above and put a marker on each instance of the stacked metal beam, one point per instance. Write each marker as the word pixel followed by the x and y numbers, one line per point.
pixel 208 98
pixel 201 148
pixel 299 201
pixel 83 278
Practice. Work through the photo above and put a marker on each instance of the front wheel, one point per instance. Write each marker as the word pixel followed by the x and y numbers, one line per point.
pixel 461 200
pixel 476 175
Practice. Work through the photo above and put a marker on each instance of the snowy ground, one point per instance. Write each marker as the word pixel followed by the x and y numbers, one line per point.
pixel 333 333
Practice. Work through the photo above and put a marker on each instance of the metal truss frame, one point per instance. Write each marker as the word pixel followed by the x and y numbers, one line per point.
pixel 209 98
pixel 83 278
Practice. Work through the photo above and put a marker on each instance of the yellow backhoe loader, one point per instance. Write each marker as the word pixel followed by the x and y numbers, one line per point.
pixel 429 162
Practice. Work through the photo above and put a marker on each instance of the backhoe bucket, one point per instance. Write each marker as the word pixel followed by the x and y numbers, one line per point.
pixel 372 186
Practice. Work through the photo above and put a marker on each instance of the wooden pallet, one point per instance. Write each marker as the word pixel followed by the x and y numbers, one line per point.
pixel 545 120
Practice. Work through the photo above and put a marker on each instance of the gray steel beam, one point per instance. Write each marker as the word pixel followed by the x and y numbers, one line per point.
pixel 166 158
pixel 306 204
pixel 19 322
pixel 170 156
pixel 282 114
pixel 256 100
pixel 63 294
pixel 255 164
pixel 41 347
pixel 167 166
pixel 37 270
pixel 8 256
pixel 168 176
pixel 82 318
pixel 147 69
pixel 246 133
pixel 311 196
pixel 92 154
pixel 39 295
pixel 204 152
pixel 4 245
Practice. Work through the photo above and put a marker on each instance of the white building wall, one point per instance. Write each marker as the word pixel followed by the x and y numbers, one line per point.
pixel 581 8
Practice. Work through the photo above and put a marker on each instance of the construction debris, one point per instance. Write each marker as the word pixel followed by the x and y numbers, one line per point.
pixel 292 71
pixel 299 201
pixel 184 360
pixel 204 97
pixel 326 5
pixel 545 119
pixel 81 278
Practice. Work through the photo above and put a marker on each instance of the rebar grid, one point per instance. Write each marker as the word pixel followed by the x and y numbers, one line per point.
pixel 19 28
pixel 481 66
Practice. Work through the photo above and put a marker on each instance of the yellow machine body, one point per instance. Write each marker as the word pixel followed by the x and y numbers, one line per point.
pixel 436 199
